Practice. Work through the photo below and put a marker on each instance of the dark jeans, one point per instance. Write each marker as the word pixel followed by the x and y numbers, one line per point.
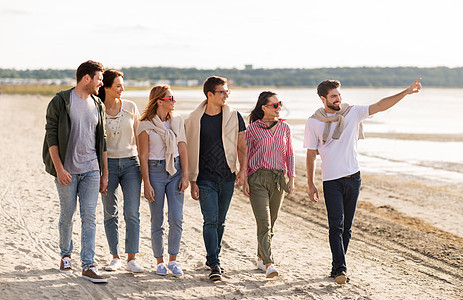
pixel 341 200
pixel 214 198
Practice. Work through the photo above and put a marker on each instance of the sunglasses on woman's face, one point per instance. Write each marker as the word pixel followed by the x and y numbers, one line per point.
pixel 275 104
pixel 171 98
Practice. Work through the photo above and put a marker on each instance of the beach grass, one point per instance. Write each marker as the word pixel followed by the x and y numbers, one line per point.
pixel 23 89
pixel 50 90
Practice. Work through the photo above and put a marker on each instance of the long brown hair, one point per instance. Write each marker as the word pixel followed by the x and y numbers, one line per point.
pixel 157 92
pixel 257 113
pixel 108 80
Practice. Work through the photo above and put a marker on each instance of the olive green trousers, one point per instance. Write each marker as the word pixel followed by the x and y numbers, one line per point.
pixel 266 189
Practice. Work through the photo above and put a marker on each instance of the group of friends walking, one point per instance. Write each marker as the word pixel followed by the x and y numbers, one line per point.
pixel 96 141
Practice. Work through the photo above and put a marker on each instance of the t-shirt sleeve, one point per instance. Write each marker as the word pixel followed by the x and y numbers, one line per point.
pixel 310 137
pixel 181 137
pixel 362 111
pixel 241 124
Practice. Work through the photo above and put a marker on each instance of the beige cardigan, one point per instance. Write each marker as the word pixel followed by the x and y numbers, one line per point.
pixel 229 138
pixel 171 137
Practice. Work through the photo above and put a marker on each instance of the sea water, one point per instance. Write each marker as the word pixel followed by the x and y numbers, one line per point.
pixel 432 111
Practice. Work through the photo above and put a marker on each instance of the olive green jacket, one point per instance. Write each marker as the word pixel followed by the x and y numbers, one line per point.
pixel 58 129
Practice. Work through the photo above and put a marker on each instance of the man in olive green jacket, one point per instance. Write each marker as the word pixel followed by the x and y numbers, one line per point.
pixel 74 151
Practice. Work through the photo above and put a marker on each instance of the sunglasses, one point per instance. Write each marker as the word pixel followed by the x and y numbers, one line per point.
pixel 275 104
pixel 171 98
pixel 223 92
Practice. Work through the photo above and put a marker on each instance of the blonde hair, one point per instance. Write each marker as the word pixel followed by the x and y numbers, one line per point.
pixel 156 93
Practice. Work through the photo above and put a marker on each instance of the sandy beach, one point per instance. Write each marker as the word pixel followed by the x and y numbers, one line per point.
pixel 407 240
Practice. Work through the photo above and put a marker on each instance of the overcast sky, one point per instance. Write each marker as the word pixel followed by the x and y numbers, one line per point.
pixel 209 34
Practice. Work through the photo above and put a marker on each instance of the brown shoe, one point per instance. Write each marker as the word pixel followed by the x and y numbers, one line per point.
pixel 93 275
pixel 65 265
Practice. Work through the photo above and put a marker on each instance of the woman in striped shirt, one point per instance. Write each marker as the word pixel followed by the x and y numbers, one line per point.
pixel 270 157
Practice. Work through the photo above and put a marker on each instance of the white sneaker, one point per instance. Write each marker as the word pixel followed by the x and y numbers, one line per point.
pixel 114 265
pixel 133 267
pixel 161 269
pixel 271 271
pixel 260 265
pixel 174 267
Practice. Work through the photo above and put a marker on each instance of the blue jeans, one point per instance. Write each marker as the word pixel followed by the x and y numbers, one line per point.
pixel 341 200
pixel 165 185
pixel 214 198
pixel 85 186
pixel 126 172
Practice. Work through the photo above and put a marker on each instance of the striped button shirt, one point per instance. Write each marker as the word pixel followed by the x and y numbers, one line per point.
pixel 270 150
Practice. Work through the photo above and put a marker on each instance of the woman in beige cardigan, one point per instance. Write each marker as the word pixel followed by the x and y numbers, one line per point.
pixel 164 168
pixel 122 118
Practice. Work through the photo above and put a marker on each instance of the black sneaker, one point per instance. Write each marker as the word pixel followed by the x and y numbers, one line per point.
pixel 216 273
pixel 333 275
pixel 221 268
pixel 341 277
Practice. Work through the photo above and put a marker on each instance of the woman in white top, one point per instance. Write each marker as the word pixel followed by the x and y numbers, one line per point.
pixel 122 119
pixel 164 167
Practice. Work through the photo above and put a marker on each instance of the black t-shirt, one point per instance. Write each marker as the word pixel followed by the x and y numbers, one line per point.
pixel 212 161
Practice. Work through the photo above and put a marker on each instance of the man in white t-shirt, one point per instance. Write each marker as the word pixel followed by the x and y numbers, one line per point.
pixel 333 132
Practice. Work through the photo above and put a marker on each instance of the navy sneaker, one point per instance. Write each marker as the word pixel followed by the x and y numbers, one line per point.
pixel 341 277
pixel 216 273
pixel 221 268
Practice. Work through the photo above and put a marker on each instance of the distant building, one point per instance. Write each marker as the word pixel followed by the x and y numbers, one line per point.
pixel 162 82
pixel 248 67
pixel 145 83
pixel 188 82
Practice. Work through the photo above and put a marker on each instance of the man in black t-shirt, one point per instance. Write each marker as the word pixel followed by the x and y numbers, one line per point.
pixel 216 143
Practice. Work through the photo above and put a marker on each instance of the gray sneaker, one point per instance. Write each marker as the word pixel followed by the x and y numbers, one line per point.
pixel 174 267
pixel 161 269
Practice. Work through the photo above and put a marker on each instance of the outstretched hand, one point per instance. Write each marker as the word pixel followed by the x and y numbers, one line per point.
pixel 415 87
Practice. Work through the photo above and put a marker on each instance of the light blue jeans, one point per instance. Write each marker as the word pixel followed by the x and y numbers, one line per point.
pixel 126 172
pixel 165 185
pixel 85 186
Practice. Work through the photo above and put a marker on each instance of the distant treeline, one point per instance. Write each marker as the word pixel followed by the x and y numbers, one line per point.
pixel 362 76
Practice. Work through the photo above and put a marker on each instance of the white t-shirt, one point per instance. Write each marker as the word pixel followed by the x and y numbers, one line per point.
pixel 120 132
pixel 339 157
pixel 157 147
